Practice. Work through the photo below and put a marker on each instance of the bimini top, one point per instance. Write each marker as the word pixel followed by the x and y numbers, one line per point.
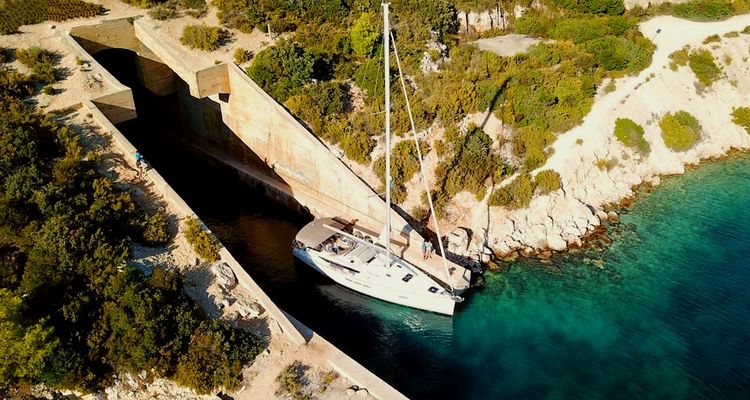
pixel 316 232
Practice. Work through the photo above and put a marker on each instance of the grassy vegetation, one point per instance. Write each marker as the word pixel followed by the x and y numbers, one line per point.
pixel 42 64
pixel 712 39
pixel 73 311
pixel 16 13
pixel 704 10
pixel 204 37
pixel 547 181
pixel 741 117
pixel 201 241
pixel 291 381
pixel 680 130
pixel 630 134
pixel 242 56
pixel 704 67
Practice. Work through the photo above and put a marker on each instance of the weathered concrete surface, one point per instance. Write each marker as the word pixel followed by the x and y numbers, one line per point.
pixel 117 103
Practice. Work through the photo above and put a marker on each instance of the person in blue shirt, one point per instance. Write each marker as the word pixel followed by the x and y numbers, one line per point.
pixel 139 162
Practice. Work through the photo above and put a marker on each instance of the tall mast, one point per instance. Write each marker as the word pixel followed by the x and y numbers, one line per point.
pixel 387 79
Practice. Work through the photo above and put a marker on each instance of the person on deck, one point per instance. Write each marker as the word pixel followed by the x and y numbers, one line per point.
pixel 139 162
pixel 426 249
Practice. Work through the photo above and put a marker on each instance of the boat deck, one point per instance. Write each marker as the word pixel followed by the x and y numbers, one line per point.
pixel 409 247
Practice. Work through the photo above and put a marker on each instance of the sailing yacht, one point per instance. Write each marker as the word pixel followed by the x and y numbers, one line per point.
pixel 346 253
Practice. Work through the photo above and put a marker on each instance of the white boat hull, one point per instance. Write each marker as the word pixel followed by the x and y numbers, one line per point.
pixel 434 302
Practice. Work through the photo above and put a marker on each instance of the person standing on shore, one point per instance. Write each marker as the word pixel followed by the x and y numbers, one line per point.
pixel 139 162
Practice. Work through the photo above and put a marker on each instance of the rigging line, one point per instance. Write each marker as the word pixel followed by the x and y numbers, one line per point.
pixel 421 163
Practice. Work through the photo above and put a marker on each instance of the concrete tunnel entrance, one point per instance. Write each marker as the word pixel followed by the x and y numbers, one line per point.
pixel 174 118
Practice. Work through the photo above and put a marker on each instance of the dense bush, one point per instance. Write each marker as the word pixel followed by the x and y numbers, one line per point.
pixel 282 70
pixel 621 54
pixel 535 157
pixel 357 146
pixel 741 117
pixel 581 30
pixel 611 7
pixel 404 164
pixel 156 229
pixel 533 23
pixel 703 10
pixel 680 130
pixel 201 241
pixel 365 35
pixel 472 164
pixel 319 105
pixel 703 66
pixel 630 134
pixel 547 181
pixel 516 194
pixel 204 37
pixel 215 357
pixel 242 56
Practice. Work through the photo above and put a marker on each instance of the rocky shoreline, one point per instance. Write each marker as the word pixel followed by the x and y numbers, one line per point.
pixel 592 190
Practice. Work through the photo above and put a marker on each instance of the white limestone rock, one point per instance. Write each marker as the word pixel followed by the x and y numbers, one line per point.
pixel 224 275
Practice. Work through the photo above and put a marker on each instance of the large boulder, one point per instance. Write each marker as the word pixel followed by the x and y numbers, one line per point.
pixel 224 275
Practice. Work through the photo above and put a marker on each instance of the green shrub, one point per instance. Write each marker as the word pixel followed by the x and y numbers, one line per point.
pixel 611 7
pixel 712 39
pixel 473 162
pixel 204 37
pixel 703 10
pixel 581 30
pixel 242 56
pixel 282 70
pixel 703 66
pixel 533 24
pixel 156 229
pixel 365 35
pixel 535 157
pixel 680 130
pixel 617 53
pixel 369 77
pixel 404 164
pixel 547 181
pixel 164 11
pixel 291 381
pixel 357 146
pixel 516 194
pixel 679 58
pixel 630 134
pixel 215 357
pixel 731 35
pixel 741 117
pixel 201 241
pixel 746 30
pixel 319 105
pixel 5 55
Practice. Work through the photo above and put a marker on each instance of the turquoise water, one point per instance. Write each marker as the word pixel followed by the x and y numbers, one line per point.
pixel 668 316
